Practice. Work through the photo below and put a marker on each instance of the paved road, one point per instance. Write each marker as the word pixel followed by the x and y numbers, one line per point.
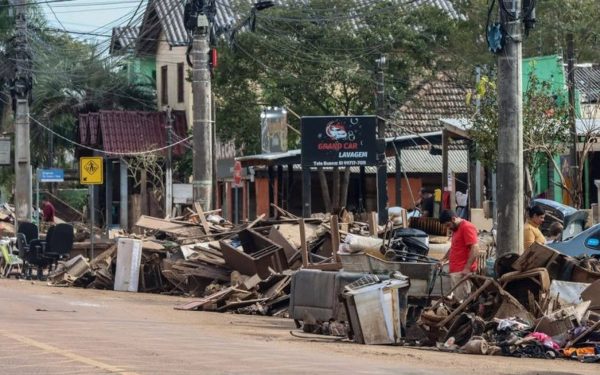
pixel 47 330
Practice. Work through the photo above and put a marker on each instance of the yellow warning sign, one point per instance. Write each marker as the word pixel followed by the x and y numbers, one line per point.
pixel 90 170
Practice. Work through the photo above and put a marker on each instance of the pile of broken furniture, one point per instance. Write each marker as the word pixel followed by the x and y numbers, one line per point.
pixel 542 304
pixel 244 268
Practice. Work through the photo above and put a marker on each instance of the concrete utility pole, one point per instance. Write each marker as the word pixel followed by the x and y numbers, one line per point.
pixel 21 91
pixel 382 198
pixel 169 171
pixel 510 133
pixel 201 92
pixel 572 117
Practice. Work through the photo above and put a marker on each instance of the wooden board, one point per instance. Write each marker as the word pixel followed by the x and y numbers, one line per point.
pixel 166 226
pixel 205 225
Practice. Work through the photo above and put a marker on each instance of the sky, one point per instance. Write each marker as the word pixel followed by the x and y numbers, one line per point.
pixel 92 16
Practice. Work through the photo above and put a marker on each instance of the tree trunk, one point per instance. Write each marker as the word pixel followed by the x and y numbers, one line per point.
pixel 345 183
pixel 335 200
pixel 144 192
pixel 324 190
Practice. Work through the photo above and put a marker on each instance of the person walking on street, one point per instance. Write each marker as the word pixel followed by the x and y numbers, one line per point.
pixel 463 252
pixel 532 231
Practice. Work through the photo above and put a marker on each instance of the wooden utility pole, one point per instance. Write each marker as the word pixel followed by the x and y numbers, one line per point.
pixel 202 92
pixel 21 92
pixel 510 132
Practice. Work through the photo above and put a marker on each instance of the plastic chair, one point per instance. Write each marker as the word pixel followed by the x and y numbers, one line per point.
pixel 10 261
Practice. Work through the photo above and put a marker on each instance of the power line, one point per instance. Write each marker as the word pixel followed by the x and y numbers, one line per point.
pixel 109 152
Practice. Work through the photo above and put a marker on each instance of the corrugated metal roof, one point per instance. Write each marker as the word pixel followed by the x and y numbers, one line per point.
pixel 123 39
pixel 587 81
pixel 413 161
pixel 129 131
pixel 421 161
pixel 170 14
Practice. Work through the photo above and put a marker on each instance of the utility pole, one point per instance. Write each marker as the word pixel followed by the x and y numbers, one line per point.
pixel 169 172
pixel 202 94
pixel 21 90
pixel 572 119
pixel 510 132
pixel 382 197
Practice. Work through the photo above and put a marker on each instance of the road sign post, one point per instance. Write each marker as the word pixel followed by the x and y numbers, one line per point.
pixel 91 172
pixel 45 175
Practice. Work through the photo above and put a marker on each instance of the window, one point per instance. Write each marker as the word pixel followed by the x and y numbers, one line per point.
pixel 164 89
pixel 180 81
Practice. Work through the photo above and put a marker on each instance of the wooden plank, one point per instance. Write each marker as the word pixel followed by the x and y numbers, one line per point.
pixel 279 239
pixel 303 246
pixel 275 290
pixel 162 225
pixel 152 246
pixel 213 297
pixel 205 225
pixel 284 212
pixel 325 266
pixel 255 221
pixel 240 304
pixel 206 272
pixel 106 254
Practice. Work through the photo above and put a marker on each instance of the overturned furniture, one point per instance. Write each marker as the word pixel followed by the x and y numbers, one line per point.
pixel 487 300
pixel 259 255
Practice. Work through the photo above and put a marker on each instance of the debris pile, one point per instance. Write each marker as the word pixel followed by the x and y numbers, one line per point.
pixel 243 268
pixel 543 304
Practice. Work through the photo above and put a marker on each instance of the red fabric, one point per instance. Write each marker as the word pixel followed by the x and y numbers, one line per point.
pixel 464 236
pixel 446 200
pixel 48 212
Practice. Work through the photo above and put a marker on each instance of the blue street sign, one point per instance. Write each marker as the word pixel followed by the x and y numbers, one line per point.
pixel 52 175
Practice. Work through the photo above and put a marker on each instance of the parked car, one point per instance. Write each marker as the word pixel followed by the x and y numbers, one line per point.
pixel 584 243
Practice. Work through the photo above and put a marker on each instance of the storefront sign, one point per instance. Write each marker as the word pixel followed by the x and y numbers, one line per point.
pixel 339 141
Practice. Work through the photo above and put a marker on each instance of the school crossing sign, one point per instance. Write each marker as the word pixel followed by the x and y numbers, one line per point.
pixel 91 170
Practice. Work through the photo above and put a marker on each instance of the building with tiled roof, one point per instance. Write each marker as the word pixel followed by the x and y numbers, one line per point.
pixel 437 98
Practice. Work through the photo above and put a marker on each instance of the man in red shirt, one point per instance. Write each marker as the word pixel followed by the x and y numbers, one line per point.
pixel 48 211
pixel 462 255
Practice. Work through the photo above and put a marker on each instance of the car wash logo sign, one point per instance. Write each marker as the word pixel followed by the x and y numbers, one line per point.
pixel 339 141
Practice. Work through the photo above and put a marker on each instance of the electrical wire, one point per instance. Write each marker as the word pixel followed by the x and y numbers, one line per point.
pixel 109 152
pixel 40 124
pixel 55 16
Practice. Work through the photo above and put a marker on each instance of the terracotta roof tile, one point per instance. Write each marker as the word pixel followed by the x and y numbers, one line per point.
pixel 129 131
pixel 435 99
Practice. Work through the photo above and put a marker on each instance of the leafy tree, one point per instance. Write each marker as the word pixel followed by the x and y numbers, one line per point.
pixel 319 59
pixel 71 77
pixel 545 126
pixel 557 18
